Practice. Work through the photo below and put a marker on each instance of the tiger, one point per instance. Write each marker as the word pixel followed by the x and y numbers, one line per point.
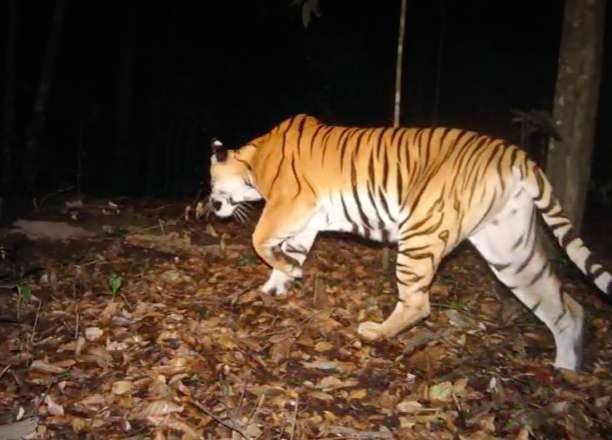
pixel 427 189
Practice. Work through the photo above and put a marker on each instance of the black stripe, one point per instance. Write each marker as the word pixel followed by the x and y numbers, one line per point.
pixel 385 170
pixel 535 306
pixel 518 242
pixel 532 227
pixel 559 225
pixel 354 184
pixel 540 181
pixel 527 260
pixel 399 183
pixel 297 179
pixel 345 210
pixel 314 137
pixel 381 223
pixel 560 317
pixel 380 143
pixel 539 275
pixel 310 186
pixel 395 133
pixel 500 266
pixel 500 173
pixel 412 249
pixel 551 203
pixel 283 153
pixel 299 139
pixel 383 199
pixel 245 163
pixel 343 146
pixel 443 235
pixel 489 208
pixel 428 231
pixel 326 139
pixel 568 237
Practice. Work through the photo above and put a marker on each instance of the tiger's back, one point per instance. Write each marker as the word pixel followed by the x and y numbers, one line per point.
pixel 427 189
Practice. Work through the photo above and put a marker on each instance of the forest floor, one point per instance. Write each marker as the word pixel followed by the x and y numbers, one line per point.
pixel 151 326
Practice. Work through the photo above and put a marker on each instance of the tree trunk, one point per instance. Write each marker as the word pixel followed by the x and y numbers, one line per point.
pixel 398 66
pixel 575 105
pixel 8 138
pixel 31 160
pixel 397 104
pixel 440 57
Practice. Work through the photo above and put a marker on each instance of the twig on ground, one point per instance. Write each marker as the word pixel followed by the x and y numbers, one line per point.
pixel 295 413
pixel 255 409
pixel 230 424
pixel 127 303
pixel 232 300
pixel 4 370
pixel 77 319
pixel 35 322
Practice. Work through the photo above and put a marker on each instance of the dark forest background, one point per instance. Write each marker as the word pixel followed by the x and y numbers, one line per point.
pixel 139 88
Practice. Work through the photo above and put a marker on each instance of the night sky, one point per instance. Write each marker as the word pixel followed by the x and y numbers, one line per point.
pixel 170 75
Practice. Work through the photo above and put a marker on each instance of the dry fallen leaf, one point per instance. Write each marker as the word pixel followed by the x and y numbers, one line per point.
pixel 93 333
pixel 441 392
pixel 46 367
pixel 122 387
pixel 53 407
pixel 158 408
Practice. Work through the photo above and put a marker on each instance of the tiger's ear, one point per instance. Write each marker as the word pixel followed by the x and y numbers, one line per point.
pixel 219 151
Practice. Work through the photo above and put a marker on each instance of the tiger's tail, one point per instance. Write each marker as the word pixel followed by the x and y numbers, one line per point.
pixel 562 228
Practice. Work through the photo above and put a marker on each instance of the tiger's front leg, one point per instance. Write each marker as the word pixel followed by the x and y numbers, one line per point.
pixel 283 244
pixel 295 248
pixel 415 269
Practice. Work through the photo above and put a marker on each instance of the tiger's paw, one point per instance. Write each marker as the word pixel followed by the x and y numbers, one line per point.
pixel 371 331
pixel 278 284
pixel 296 272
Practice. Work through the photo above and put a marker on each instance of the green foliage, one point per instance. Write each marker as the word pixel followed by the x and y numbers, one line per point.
pixel 24 295
pixel 308 7
pixel 114 283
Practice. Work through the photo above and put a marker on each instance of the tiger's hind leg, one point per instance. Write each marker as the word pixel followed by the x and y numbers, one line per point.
pixel 515 254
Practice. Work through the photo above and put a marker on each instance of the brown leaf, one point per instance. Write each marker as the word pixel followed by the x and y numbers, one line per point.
pixel 53 407
pixel 45 367
pixel 281 349
pixel 122 387
pixel 158 408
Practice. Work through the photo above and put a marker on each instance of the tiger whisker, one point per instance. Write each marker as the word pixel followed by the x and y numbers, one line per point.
pixel 240 216
pixel 240 213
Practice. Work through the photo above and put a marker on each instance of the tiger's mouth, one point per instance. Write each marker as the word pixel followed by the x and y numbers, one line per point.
pixel 228 207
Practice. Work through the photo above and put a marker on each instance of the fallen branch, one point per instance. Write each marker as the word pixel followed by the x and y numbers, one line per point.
pixel 421 340
pixel 4 370
pixel 295 413
pixel 351 433
pixel 231 425
pixel 35 322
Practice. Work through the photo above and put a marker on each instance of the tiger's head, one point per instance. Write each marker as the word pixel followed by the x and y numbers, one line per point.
pixel 231 182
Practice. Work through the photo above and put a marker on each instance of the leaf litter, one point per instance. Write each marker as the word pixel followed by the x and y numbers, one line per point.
pixel 185 347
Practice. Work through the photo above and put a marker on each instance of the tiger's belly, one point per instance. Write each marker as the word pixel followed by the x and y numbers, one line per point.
pixel 374 229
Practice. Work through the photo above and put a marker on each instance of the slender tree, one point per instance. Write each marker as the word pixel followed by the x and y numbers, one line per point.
pixel 397 101
pixel 31 161
pixel 575 105
pixel 397 104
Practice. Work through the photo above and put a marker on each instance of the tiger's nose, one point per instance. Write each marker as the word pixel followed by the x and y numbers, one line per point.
pixel 216 204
